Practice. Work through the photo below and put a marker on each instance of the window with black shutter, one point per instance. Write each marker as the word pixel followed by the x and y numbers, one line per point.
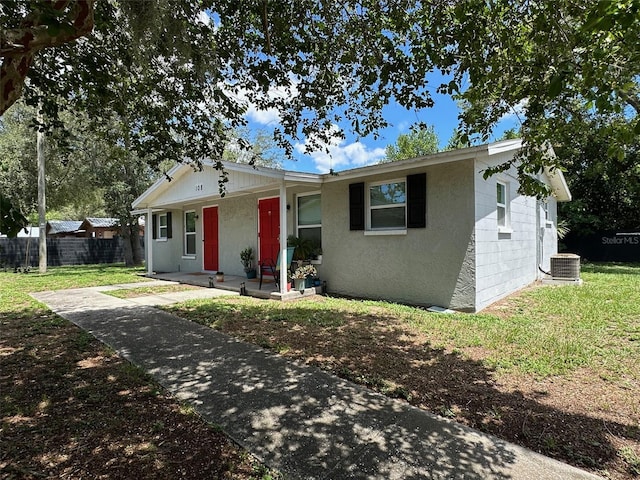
pixel 356 206
pixel 154 226
pixel 417 200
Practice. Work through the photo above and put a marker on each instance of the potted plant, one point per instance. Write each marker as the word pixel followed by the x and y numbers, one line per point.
pixel 219 277
pixel 303 275
pixel 316 255
pixel 304 247
pixel 246 257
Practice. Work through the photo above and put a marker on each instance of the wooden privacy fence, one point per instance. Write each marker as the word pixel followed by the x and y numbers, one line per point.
pixel 61 251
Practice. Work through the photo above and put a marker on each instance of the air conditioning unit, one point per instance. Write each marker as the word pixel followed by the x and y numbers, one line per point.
pixel 565 266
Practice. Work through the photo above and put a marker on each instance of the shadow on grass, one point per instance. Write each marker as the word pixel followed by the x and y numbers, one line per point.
pixel 375 352
pixel 70 409
pixel 309 423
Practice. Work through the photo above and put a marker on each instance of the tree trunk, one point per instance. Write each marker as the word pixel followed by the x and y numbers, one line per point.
pixel 135 243
pixel 131 239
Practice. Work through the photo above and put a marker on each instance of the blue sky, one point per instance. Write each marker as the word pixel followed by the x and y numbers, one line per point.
pixel 353 152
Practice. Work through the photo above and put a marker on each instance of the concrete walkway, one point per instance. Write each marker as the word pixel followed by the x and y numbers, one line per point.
pixel 302 421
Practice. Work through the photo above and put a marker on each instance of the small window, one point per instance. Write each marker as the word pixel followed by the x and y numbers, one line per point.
pixel 310 218
pixel 388 206
pixel 502 205
pixel 162 226
pixel 190 233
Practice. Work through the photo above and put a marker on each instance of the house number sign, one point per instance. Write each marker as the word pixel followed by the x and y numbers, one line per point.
pixel 199 187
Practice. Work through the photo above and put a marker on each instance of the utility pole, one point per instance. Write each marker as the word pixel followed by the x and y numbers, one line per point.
pixel 42 209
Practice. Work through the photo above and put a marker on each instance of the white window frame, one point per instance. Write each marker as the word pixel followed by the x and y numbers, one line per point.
pixel 302 227
pixel 163 236
pixel 506 228
pixel 187 234
pixel 369 208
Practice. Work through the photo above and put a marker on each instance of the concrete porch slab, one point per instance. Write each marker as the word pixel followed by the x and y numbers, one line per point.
pixel 235 283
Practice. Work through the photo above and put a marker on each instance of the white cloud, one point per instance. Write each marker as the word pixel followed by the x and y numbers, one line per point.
pixel 263 117
pixel 203 17
pixel 268 116
pixel 516 112
pixel 338 154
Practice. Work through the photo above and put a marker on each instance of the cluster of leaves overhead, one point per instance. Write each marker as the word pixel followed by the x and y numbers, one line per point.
pixel 11 219
pixel 184 79
pixel 555 62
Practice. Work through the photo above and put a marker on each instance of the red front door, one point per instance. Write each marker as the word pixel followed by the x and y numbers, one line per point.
pixel 210 229
pixel 269 226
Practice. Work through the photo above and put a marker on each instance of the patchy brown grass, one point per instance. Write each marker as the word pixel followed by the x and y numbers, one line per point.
pixel 71 409
pixel 580 417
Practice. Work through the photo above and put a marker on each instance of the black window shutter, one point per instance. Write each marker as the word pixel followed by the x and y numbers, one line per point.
pixel 168 224
pixel 154 225
pixel 356 206
pixel 417 200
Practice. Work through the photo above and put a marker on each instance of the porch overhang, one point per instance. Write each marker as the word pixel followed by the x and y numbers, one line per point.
pixel 192 187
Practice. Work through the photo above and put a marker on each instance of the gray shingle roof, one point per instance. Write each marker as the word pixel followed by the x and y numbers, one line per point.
pixel 63 226
pixel 98 222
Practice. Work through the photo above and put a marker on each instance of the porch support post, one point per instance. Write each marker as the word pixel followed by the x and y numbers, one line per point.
pixel 148 240
pixel 283 237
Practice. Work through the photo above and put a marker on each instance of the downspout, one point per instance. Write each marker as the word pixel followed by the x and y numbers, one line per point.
pixel 539 240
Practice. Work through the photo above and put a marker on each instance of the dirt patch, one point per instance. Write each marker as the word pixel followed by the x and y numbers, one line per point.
pixel 71 409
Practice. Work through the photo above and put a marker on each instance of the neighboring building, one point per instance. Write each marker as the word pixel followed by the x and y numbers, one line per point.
pixel 428 231
pixel 64 228
pixel 100 227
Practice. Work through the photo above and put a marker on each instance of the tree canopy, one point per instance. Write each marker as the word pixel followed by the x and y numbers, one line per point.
pixel 188 71
pixel 420 141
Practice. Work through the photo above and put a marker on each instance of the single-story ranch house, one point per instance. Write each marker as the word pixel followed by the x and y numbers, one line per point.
pixel 427 231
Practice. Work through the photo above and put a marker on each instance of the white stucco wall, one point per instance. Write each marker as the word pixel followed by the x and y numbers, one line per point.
pixel 167 252
pixel 432 265
pixel 237 230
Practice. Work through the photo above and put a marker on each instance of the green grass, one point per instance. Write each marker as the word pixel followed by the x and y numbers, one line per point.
pixel 15 287
pixel 69 404
pixel 554 330
pixel 145 291
pixel 543 331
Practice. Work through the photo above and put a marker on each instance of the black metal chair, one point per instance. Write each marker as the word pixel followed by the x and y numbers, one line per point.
pixel 273 269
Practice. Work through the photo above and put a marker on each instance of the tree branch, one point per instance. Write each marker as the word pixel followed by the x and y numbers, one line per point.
pixel 39 29
pixel 632 100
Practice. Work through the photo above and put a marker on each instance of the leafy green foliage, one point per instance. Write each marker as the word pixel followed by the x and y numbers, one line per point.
pixel 11 220
pixel 258 149
pixel 551 63
pixel 457 141
pixel 604 185
pixel 70 162
pixel 184 80
pixel 417 143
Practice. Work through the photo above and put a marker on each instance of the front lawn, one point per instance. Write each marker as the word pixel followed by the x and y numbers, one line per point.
pixel 555 369
pixel 70 408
